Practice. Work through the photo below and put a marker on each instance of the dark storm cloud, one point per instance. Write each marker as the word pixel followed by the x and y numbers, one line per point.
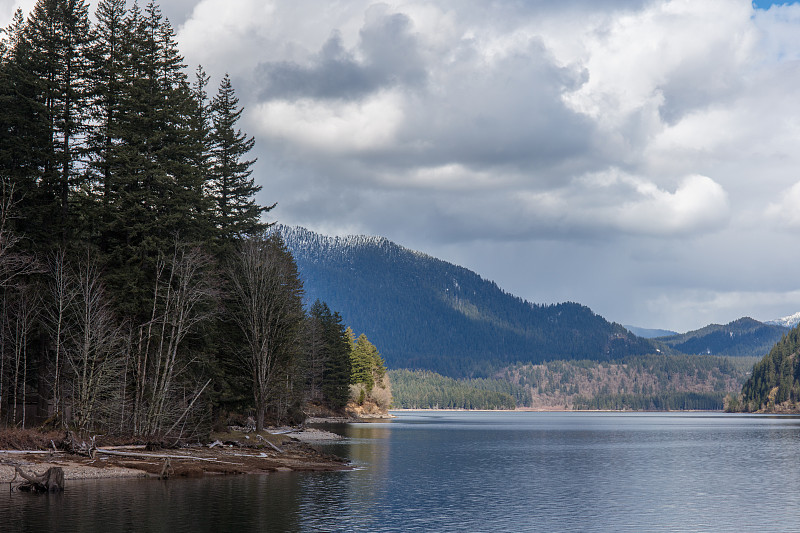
pixel 389 56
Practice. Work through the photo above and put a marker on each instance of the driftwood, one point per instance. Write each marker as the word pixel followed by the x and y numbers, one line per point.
pixel 268 442
pixel 52 480
pixel 158 456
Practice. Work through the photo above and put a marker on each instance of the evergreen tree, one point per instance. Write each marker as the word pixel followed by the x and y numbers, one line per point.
pixel 368 367
pixel 236 211
pixel 336 374
pixel 58 37
pixel 107 54
pixel 157 191
pixel 316 352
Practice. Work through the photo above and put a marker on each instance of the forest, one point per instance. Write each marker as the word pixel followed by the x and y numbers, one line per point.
pixel 643 383
pixel 423 389
pixel 142 291
pixel 774 385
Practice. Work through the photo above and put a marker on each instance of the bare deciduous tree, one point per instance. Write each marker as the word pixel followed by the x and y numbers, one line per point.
pixel 96 346
pixel 182 298
pixel 267 297
pixel 22 312
pixel 61 293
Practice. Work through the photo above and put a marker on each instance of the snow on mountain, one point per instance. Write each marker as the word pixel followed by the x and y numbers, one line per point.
pixel 787 321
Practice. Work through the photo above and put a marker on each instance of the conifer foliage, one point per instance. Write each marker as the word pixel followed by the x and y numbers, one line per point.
pixel 139 292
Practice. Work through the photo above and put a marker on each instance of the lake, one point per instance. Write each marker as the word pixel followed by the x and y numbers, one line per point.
pixel 477 471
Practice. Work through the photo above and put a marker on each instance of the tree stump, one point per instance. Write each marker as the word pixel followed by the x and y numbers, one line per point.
pixel 52 480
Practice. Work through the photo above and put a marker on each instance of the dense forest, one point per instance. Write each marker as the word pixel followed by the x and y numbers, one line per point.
pixel 423 389
pixel 141 290
pixel 648 383
pixel 774 385
pixel 428 314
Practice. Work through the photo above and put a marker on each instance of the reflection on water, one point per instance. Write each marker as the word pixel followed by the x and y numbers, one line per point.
pixel 476 472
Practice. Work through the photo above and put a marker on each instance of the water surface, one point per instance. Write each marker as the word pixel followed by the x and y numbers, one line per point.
pixel 477 471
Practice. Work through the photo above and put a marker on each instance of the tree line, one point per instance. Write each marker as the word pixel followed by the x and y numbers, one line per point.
pixel 142 291
pixel 774 384
pixel 423 389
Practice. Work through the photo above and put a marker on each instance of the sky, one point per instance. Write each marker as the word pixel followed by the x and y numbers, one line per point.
pixel 641 157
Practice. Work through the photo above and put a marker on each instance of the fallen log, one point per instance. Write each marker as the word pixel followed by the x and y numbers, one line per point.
pixel 159 456
pixel 52 480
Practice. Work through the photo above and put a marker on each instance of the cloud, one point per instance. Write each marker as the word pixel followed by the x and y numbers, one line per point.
pixel 387 55
pixel 603 205
pixel 343 128
pixel 785 212
pixel 647 149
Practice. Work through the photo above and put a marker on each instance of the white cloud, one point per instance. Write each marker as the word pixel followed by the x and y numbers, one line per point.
pixel 616 202
pixel 333 128
pixel 785 212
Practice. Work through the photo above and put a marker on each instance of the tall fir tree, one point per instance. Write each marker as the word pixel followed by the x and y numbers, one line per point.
pixel 107 55
pixel 58 39
pixel 236 212
pixel 157 190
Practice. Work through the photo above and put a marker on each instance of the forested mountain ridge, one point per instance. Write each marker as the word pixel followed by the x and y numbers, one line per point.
pixel 744 337
pixel 774 385
pixel 425 313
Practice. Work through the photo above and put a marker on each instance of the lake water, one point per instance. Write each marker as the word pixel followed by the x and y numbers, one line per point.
pixel 474 471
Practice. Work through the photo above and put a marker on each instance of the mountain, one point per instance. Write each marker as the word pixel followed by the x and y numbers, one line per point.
pixel 742 337
pixel 424 313
pixel 648 333
pixel 787 321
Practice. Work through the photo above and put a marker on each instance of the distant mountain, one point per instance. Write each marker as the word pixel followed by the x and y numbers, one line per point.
pixel 424 313
pixel 650 333
pixel 742 337
pixel 787 321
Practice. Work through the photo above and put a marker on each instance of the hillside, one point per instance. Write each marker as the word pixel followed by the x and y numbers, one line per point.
pixel 651 382
pixel 645 383
pixel 774 385
pixel 425 313
pixel 744 337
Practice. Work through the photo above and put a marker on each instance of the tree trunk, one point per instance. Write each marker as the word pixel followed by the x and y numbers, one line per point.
pixel 52 480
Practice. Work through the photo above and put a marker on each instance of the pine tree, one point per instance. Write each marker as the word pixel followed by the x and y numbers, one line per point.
pixel 362 359
pixel 233 189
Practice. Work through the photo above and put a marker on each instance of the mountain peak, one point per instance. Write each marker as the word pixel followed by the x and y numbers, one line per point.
pixel 789 321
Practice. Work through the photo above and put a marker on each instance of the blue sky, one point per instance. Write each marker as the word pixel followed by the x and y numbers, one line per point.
pixel 637 156
pixel 763 4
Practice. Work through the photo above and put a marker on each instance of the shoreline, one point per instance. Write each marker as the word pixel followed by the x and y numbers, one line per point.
pixel 285 451
pixel 551 410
